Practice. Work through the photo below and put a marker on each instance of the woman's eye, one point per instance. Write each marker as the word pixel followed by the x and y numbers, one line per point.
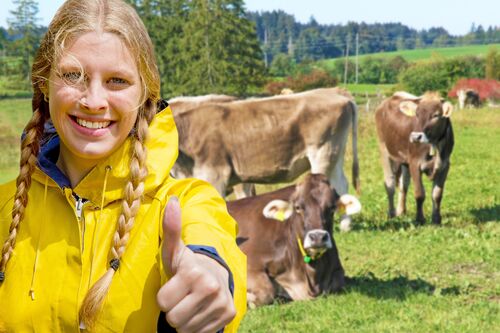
pixel 71 77
pixel 118 81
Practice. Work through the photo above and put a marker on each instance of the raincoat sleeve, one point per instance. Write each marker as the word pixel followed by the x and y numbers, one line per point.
pixel 208 228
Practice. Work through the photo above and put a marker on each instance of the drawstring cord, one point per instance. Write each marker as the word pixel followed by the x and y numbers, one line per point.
pixel 37 254
pixel 94 242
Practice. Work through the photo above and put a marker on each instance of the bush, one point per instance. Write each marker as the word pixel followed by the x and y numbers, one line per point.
pixel 317 78
pixel 439 74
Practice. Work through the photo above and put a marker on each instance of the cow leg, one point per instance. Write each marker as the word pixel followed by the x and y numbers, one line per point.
pixel 419 190
pixel 404 182
pixel 437 193
pixel 296 285
pixel 218 176
pixel 389 169
pixel 260 289
pixel 244 190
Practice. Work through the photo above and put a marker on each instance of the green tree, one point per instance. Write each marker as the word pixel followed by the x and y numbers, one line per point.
pixel 492 64
pixel 219 51
pixel 23 25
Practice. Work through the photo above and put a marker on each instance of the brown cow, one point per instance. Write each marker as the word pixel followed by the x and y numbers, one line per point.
pixel 269 140
pixel 415 137
pixel 287 237
pixel 185 103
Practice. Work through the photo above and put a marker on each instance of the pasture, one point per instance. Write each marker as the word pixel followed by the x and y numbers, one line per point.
pixel 427 53
pixel 401 278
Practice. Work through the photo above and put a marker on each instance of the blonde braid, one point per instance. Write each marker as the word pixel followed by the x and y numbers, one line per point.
pixel 29 152
pixel 130 206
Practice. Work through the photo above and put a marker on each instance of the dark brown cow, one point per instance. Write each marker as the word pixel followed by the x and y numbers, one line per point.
pixel 272 229
pixel 415 137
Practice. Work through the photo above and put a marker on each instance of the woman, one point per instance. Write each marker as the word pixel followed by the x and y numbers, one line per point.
pixel 90 241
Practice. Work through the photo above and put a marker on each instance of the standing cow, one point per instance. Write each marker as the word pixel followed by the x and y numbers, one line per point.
pixel 415 137
pixel 269 140
pixel 287 237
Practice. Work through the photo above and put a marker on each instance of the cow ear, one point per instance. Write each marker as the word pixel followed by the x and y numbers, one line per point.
pixel 447 109
pixel 278 210
pixel 409 108
pixel 349 204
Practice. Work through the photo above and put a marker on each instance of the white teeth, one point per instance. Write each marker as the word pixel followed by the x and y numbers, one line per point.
pixel 92 124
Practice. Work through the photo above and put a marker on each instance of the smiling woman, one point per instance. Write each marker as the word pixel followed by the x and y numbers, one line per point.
pixel 93 101
pixel 98 236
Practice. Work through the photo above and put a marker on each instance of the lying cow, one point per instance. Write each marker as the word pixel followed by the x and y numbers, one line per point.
pixel 287 237
pixel 269 140
pixel 415 137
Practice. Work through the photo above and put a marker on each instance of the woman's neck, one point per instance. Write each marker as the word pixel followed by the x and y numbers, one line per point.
pixel 73 167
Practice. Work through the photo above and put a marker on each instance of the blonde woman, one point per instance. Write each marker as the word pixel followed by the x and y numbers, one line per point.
pixel 97 236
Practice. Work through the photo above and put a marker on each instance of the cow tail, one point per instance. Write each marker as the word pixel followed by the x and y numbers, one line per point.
pixel 355 163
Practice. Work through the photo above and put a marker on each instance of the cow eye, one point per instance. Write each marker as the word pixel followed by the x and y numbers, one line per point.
pixel 435 115
pixel 297 208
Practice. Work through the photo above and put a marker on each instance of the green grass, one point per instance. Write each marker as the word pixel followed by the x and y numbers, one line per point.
pixel 14 114
pixel 401 278
pixel 424 54
pixel 404 278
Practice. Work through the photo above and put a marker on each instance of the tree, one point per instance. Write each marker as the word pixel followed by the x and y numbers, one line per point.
pixel 219 50
pixel 492 66
pixel 23 26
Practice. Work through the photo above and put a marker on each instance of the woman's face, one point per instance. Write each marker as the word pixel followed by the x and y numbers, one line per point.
pixel 94 95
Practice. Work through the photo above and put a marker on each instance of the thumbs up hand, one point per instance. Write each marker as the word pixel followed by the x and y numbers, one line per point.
pixel 197 296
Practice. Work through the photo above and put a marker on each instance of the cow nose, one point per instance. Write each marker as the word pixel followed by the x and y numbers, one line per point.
pixel 317 238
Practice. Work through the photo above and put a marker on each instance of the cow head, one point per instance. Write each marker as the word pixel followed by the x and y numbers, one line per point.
pixel 432 115
pixel 310 211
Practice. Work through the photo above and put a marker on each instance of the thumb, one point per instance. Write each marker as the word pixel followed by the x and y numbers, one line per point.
pixel 173 247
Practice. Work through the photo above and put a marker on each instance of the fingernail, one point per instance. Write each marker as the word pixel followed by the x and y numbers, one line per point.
pixel 173 198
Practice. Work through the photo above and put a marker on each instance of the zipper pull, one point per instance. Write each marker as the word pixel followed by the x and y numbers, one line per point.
pixel 79 208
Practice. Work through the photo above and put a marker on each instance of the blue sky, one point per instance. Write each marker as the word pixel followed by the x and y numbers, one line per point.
pixel 456 16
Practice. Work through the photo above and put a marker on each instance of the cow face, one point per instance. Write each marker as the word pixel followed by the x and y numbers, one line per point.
pixel 310 211
pixel 432 118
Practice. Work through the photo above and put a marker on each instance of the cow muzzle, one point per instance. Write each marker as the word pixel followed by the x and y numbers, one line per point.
pixel 316 242
pixel 419 137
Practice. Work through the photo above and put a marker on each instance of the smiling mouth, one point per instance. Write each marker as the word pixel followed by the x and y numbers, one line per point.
pixel 91 124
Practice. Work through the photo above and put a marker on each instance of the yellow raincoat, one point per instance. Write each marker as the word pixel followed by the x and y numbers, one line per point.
pixel 63 243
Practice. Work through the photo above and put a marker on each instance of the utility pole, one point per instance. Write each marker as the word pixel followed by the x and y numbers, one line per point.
pixel 357 53
pixel 265 47
pixel 346 59
pixel 290 46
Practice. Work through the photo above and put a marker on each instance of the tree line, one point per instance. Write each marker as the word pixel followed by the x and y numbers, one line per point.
pixel 280 34
pixel 216 46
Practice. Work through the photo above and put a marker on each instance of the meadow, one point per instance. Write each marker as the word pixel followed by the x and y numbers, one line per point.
pixel 401 278
pixel 427 53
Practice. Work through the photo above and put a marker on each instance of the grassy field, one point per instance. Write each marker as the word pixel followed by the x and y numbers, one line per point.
pixel 401 278
pixel 425 54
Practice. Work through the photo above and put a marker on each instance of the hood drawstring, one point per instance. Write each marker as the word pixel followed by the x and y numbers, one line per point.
pixel 37 253
pixel 94 241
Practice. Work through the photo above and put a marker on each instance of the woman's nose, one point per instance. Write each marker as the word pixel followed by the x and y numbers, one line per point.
pixel 95 97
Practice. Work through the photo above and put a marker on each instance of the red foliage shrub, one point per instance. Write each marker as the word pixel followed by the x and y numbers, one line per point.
pixel 486 88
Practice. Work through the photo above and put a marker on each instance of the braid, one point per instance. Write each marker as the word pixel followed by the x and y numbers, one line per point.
pixel 134 190
pixel 29 152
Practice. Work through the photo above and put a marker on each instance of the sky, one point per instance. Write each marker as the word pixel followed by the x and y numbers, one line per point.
pixel 456 16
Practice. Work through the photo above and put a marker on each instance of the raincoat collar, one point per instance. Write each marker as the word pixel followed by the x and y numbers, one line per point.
pixel 162 151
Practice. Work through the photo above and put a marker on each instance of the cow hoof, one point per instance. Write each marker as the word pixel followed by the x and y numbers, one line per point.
pixel 436 220
pixel 345 225
pixel 420 221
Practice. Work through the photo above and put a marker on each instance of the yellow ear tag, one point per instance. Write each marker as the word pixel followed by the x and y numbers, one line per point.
pixel 432 151
pixel 341 210
pixel 280 215
pixel 409 112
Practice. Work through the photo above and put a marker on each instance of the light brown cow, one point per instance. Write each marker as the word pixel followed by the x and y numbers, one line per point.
pixel 415 137
pixel 184 103
pixel 269 140
pixel 287 237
